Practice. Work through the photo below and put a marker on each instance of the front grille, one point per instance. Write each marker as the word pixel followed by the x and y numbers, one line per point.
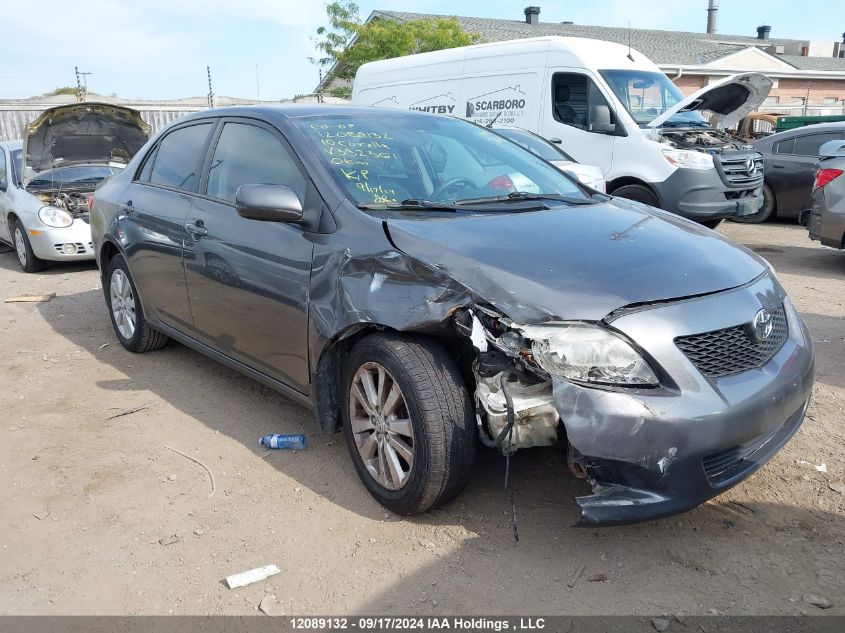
pixel 734 169
pixel 733 350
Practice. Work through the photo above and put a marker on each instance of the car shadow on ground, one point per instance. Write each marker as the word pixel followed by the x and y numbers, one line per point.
pixel 9 261
pixel 722 547
pixel 811 260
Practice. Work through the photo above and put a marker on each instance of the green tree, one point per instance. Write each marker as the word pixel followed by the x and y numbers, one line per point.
pixel 347 42
pixel 63 90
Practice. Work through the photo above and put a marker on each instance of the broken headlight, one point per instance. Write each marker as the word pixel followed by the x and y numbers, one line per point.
pixel 589 353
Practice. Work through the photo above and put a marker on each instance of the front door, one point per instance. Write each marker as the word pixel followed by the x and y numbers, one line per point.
pixel 153 213
pixel 580 117
pixel 247 280
pixel 5 197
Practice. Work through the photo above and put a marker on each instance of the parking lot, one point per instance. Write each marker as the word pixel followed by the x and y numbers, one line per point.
pixel 101 517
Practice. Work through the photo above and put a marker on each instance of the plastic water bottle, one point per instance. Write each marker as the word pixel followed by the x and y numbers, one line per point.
pixel 295 442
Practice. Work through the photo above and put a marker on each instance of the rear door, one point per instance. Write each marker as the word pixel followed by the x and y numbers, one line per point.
pixel 248 281
pixel 154 210
pixel 792 166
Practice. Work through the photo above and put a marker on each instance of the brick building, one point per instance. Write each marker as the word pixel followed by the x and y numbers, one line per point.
pixel 809 76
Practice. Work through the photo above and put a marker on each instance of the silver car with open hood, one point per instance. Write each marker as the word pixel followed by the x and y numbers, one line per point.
pixel 47 179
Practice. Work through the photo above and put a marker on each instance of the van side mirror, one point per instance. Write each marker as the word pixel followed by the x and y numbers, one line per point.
pixel 268 203
pixel 600 120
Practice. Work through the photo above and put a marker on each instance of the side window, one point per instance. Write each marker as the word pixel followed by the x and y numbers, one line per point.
pixel 179 158
pixel 247 154
pixel 785 147
pixel 579 102
pixel 144 174
pixel 4 174
pixel 809 145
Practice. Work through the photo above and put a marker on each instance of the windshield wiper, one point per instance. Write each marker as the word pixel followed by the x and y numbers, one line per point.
pixel 518 196
pixel 410 203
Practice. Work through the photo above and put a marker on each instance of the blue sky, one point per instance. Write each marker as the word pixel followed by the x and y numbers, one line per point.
pixel 159 48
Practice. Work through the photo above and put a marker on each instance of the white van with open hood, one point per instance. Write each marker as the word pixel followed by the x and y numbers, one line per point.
pixel 605 104
pixel 48 177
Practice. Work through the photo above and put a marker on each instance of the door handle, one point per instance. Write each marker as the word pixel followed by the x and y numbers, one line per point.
pixel 197 229
pixel 127 208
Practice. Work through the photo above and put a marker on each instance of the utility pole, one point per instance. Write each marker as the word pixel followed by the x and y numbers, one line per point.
pixel 81 84
pixel 807 98
pixel 257 85
pixel 210 91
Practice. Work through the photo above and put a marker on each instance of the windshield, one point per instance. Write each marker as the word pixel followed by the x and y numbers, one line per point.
pixel 534 144
pixel 647 95
pixel 72 175
pixel 384 158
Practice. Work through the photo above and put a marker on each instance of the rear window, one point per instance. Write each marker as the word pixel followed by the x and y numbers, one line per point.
pixel 809 145
pixel 179 158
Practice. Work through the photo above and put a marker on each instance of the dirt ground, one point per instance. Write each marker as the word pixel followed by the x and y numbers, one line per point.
pixel 91 499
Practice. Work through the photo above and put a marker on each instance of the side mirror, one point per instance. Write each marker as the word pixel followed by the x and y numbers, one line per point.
pixel 600 120
pixel 268 203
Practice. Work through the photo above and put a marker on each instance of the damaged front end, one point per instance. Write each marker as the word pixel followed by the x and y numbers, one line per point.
pixel 652 438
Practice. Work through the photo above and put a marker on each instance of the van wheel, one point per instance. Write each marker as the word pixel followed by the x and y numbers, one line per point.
pixel 408 422
pixel 765 211
pixel 26 258
pixel 638 193
pixel 127 315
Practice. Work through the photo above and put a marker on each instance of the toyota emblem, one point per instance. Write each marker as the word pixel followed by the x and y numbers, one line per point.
pixel 750 167
pixel 761 326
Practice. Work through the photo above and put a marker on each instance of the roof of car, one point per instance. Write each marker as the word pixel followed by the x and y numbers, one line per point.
pixel 290 111
pixel 830 126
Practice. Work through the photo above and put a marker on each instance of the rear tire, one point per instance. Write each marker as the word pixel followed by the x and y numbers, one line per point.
pixel 638 193
pixel 29 263
pixel 430 426
pixel 765 212
pixel 127 315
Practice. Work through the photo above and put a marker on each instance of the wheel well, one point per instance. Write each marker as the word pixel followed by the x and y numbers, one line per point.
pixel 328 375
pixel 107 252
pixel 623 181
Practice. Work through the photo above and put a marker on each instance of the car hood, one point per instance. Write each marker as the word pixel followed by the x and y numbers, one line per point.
pixel 578 263
pixel 729 99
pixel 82 133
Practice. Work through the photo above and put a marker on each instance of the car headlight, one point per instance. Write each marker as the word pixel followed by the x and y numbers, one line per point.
pixel 589 353
pixel 688 159
pixel 55 217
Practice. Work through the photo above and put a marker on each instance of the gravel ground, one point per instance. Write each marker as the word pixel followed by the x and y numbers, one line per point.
pixel 99 517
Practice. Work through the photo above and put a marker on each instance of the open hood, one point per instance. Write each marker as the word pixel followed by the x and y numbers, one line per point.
pixel 578 263
pixel 729 99
pixel 82 133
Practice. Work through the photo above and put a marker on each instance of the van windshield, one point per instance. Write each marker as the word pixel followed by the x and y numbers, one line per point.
pixel 387 157
pixel 647 95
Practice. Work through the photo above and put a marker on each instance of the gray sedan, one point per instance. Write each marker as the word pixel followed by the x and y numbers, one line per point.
pixel 827 217
pixel 382 268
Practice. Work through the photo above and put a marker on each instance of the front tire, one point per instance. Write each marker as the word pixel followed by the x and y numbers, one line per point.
pixel 638 193
pixel 127 315
pixel 29 263
pixel 408 422
pixel 765 212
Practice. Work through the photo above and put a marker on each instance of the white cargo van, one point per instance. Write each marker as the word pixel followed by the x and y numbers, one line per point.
pixel 606 104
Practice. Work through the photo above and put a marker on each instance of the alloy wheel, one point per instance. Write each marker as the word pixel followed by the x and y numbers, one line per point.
pixel 122 303
pixel 381 426
pixel 20 246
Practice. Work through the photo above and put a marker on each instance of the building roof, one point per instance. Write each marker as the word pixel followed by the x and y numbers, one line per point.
pixel 662 47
